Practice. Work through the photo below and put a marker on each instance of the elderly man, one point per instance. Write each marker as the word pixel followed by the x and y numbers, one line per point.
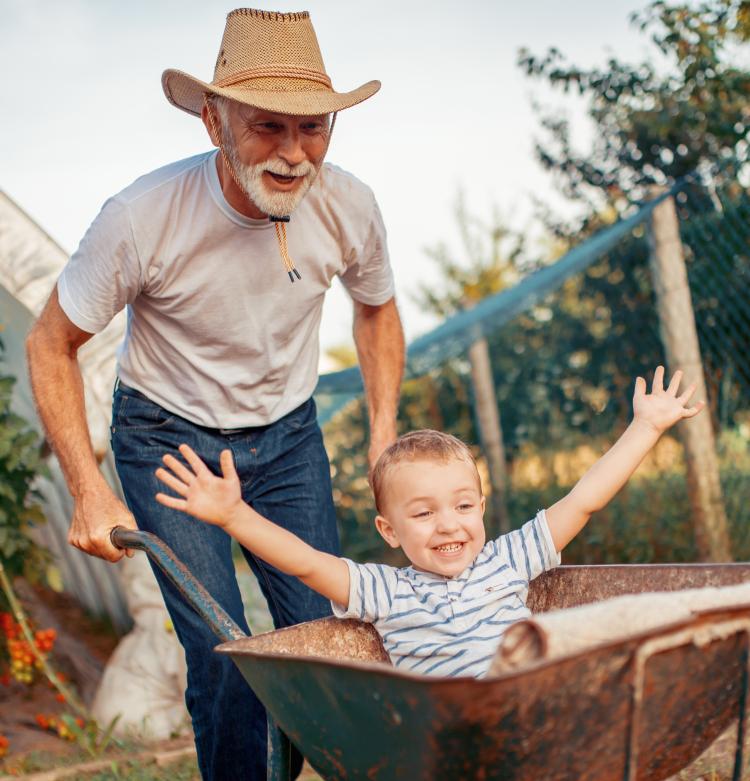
pixel 223 260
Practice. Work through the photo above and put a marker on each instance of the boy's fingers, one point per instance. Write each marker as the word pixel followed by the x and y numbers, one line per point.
pixel 675 383
pixel 640 386
pixel 179 469
pixel 169 479
pixel 691 411
pixel 658 383
pixel 689 391
pixel 227 464
pixel 191 457
pixel 171 501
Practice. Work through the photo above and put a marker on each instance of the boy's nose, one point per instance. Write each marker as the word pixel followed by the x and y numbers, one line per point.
pixel 446 522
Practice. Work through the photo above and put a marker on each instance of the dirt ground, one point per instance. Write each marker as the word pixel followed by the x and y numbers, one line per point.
pixel 84 647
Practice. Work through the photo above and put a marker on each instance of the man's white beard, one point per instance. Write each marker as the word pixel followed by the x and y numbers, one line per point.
pixel 274 203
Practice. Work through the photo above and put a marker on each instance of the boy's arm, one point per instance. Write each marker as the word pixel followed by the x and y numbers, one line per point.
pixel 653 413
pixel 218 501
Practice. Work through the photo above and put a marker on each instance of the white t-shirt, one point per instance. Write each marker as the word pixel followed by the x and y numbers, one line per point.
pixel 216 331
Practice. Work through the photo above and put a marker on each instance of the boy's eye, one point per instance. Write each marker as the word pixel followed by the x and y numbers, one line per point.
pixel 423 514
pixel 465 506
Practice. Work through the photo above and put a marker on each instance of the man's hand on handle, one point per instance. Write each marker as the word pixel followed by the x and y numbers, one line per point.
pixel 97 511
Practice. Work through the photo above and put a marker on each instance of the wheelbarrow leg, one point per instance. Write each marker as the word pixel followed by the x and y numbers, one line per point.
pixel 739 759
pixel 279 754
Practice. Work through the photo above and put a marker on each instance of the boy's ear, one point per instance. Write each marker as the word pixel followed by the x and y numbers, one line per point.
pixel 387 532
pixel 483 502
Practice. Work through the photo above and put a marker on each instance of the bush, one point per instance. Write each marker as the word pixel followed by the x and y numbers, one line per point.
pixel 20 463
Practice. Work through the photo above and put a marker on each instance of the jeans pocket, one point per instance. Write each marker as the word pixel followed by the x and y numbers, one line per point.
pixel 136 413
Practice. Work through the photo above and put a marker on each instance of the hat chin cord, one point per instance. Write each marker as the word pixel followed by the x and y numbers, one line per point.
pixel 279 222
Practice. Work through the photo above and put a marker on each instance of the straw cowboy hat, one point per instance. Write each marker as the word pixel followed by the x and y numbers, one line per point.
pixel 268 60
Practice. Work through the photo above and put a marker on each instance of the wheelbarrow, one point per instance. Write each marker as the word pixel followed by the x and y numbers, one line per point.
pixel 637 709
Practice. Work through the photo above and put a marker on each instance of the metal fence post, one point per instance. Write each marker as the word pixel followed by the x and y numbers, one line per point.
pixel 680 340
pixel 491 434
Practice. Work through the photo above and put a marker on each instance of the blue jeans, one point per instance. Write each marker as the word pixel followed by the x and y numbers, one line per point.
pixel 284 474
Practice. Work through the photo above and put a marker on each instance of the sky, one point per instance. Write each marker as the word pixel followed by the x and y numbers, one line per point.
pixel 84 113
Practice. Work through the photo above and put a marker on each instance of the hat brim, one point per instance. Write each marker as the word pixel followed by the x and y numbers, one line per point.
pixel 186 92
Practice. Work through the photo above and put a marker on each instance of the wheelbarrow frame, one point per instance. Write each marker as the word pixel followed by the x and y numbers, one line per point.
pixel 279 665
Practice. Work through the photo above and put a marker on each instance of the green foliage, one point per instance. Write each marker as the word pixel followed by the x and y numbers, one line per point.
pixel 655 123
pixel 564 369
pixel 488 263
pixel 90 737
pixel 439 400
pixel 20 463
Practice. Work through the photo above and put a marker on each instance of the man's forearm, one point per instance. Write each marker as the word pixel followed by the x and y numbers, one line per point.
pixel 57 385
pixel 52 350
pixel 379 338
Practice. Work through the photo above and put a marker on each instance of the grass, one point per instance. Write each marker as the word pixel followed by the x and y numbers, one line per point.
pixel 185 769
pixel 135 762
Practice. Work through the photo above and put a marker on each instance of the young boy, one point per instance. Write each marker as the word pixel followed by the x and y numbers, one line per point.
pixel 444 614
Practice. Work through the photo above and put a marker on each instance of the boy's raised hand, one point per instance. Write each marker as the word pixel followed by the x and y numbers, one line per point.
pixel 206 496
pixel 662 407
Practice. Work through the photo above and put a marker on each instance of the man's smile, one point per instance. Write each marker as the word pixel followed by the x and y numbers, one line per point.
pixel 283 182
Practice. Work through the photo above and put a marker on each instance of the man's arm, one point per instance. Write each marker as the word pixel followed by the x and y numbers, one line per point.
pixel 379 339
pixel 52 351
pixel 218 501
pixel 653 414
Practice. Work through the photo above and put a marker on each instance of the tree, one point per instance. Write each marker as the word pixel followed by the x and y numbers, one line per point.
pixel 493 255
pixel 655 125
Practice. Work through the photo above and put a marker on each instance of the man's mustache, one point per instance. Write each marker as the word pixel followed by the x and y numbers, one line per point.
pixel 305 168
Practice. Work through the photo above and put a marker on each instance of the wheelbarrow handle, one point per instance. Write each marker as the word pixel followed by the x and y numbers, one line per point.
pixel 194 593
pixel 279 748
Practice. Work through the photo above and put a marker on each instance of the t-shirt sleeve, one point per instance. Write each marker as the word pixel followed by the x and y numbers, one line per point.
pixel 371 589
pixel 103 274
pixel 530 549
pixel 368 277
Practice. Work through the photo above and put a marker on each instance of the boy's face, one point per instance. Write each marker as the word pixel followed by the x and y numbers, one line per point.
pixel 434 511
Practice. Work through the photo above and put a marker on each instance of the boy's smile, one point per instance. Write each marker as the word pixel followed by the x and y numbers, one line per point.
pixel 434 512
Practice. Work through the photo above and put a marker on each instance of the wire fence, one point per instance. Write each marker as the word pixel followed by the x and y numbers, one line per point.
pixel 565 346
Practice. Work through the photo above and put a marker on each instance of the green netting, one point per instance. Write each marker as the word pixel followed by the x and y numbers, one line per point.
pixel 565 345
pixel 453 337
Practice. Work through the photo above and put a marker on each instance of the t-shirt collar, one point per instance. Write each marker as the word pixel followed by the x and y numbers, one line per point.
pixel 214 187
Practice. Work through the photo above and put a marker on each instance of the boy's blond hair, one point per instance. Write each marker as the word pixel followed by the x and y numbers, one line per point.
pixel 422 445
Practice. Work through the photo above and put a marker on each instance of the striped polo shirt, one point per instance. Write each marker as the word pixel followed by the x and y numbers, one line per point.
pixel 438 625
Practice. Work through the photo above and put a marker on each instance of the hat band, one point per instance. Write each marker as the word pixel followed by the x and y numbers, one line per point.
pixel 274 71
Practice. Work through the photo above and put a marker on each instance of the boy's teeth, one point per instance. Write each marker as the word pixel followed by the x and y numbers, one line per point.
pixel 449 548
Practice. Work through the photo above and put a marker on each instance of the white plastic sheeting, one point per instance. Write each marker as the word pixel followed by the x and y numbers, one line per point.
pixel 145 680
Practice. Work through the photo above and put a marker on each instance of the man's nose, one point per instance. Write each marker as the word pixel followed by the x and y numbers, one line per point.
pixel 290 149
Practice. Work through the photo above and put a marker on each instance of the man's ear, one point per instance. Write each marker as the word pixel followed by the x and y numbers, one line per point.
pixel 387 532
pixel 212 129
